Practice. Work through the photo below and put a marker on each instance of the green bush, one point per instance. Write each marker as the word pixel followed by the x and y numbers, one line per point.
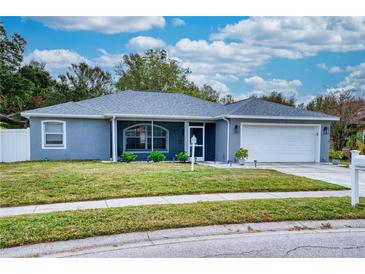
pixel 128 157
pixel 182 156
pixel 336 154
pixel 156 156
pixel 354 142
pixel 242 153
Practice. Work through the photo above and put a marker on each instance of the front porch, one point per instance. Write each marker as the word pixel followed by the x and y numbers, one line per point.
pixel 169 137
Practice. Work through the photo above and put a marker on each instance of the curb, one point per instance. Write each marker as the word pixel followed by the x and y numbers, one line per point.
pixel 138 239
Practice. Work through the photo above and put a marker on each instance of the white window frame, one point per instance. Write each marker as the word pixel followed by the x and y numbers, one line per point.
pixel 44 146
pixel 363 135
pixel 152 137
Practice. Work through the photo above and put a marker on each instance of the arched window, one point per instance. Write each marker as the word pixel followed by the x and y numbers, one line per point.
pixel 141 138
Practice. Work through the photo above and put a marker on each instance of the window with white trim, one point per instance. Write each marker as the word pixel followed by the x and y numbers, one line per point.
pixel 140 138
pixel 53 134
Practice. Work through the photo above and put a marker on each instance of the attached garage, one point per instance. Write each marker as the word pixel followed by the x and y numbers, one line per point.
pixel 281 142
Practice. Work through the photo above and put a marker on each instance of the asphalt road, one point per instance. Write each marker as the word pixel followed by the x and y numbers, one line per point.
pixel 332 243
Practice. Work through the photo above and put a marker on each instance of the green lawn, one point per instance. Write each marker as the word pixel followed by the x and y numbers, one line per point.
pixel 49 182
pixel 27 229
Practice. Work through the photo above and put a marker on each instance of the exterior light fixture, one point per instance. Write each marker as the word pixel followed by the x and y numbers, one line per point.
pixel 236 127
pixel 325 130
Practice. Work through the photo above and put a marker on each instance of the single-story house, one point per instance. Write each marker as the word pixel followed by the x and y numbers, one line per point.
pixel 140 121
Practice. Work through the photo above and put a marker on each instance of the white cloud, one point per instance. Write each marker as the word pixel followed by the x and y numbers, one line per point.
pixel 355 80
pixel 298 37
pixel 104 24
pixel 334 69
pixel 200 80
pixel 107 59
pixel 145 42
pixel 218 56
pixel 240 49
pixel 261 86
pixel 55 59
pixel 322 66
pixel 226 77
pixel 177 22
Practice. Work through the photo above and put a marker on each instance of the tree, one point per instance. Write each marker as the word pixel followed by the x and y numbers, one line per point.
pixel 41 81
pixel 208 93
pixel 11 50
pixel 26 88
pixel 155 71
pixel 151 71
pixel 83 82
pixel 11 84
pixel 228 99
pixel 278 97
pixel 344 104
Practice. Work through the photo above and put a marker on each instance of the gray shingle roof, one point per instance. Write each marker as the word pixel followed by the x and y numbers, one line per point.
pixel 142 103
pixel 153 103
pixel 259 107
pixel 70 108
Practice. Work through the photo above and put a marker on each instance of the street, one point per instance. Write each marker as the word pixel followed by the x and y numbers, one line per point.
pixel 341 244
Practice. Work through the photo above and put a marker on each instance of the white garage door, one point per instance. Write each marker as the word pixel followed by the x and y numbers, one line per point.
pixel 280 142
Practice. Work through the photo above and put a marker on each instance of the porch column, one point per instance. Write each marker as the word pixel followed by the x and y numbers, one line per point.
pixel 114 140
pixel 186 137
pixel 151 135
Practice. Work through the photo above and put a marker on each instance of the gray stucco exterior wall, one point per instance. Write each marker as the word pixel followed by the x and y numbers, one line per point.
pixel 176 137
pixel 235 136
pixel 85 139
pixel 91 138
pixel 221 141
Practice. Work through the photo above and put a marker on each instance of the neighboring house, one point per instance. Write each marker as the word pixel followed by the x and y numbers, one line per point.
pixel 7 122
pixel 137 121
pixel 359 122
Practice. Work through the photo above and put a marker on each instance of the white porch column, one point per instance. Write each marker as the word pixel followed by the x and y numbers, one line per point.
pixel 186 137
pixel 151 135
pixel 114 140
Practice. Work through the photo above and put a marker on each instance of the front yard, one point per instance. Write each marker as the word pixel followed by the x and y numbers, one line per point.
pixel 50 182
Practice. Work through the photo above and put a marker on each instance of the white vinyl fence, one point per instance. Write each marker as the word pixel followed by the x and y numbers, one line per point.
pixel 14 145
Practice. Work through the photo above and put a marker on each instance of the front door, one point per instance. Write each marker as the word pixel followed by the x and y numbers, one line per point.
pixel 198 131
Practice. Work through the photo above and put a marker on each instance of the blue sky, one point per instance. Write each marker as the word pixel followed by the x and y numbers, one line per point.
pixel 300 56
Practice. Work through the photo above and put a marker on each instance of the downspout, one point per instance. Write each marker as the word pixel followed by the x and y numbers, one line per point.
pixel 225 119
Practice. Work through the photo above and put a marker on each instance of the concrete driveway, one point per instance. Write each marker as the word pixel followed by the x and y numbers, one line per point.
pixel 325 172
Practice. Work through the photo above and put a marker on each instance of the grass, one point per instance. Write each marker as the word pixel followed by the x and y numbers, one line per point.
pixel 28 229
pixel 345 163
pixel 54 181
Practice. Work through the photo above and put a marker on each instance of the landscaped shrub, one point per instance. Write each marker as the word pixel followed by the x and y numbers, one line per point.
pixel 362 149
pixel 354 142
pixel 182 156
pixel 128 157
pixel 242 153
pixel 336 154
pixel 156 156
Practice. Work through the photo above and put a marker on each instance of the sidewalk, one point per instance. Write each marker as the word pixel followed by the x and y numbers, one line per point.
pixel 160 200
